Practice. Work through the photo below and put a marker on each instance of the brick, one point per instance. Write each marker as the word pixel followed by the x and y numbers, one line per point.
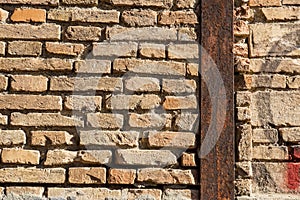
pixel 241 49
pixel 270 153
pixel 171 139
pixel 176 103
pixel 265 3
pixel 142 84
pixel 291 2
pixel 32 175
pixel 2 46
pixel 121 176
pixel 60 157
pixel 132 102
pixel 105 120
pixel 243 98
pixel 44 120
pixel 187 34
pixel 149 120
pixel 12 137
pixel 265 43
pixel 51 138
pixel 139 17
pixel 109 138
pixel 193 69
pixel 3 119
pixel 296 151
pixel 93 66
pixel 25 48
pixel 34 191
pixel 187 121
pixel 21 83
pixel 95 156
pixel 185 3
pixel 141 3
pixel 82 33
pixel 281 13
pixel 243 187
pixel 293 82
pixel 28 15
pixel 269 81
pixel 188 160
pixel 241 64
pixel 115 49
pixel 20 156
pixel 81 2
pixel 118 33
pixel 3 15
pixel 275 65
pixel 179 86
pixel 177 17
pixel 149 67
pixel 276 107
pixel 67 49
pixel 83 103
pixel 150 50
pixel 187 194
pixel 183 51
pixel 83 193
pixel 265 136
pixel 170 176
pixel 243 114
pixel 244 141
pixel 3 83
pixel 241 28
pixel 34 64
pixel 145 157
pixel 290 134
pixel 244 169
pixel 87 175
pixel 27 31
pixel 107 84
pixel 133 194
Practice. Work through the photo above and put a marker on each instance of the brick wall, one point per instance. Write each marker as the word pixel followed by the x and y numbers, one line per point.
pixel 268 99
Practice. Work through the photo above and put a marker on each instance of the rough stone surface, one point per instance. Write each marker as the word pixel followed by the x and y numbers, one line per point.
pixel 122 176
pixel 265 136
pixel 28 15
pixel 33 2
pixel 20 156
pixel 177 17
pixel 188 160
pixel 29 83
pixel 171 194
pixel 83 103
pixel 60 157
pixel 105 120
pixel 82 33
pixel 270 153
pixel 149 120
pixel 35 191
pixel 179 86
pixel 154 3
pixel 25 48
pixel 51 138
pixel 149 50
pixel 12 137
pixel 142 84
pixel 115 49
pixel 83 193
pixel 177 103
pixel 67 49
pixel 290 134
pixel 93 66
pixel 95 156
pixel 87 175
pixel 265 3
pixel 139 17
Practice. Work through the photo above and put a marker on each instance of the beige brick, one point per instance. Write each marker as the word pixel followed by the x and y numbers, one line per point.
pixel 177 17
pixel 3 15
pixel 178 86
pixel 183 51
pixel 121 176
pixel 265 136
pixel 185 3
pixel 268 81
pixel 142 84
pixel 270 153
pixel 107 84
pixel 184 140
pixel 141 34
pixel 176 103
pixel 293 82
pixel 170 176
pixel 2 46
pixel 149 120
pixel 241 28
pixel 33 2
pixel 291 2
pixel 32 191
pixel 83 103
pixel 109 138
pixel 25 48
pixel 12 137
pixel 149 67
pixel 3 119
pixel 132 102
pixel 105 120
pixel 34 64
pixel 290 134
pixel 32 175
pixel 188 160
pixel 132 194
pixel 193 69
pixel 187 121
pixel 67 49
pixel 27 31
pixel 3 83
pixel 84 193
pixel 44 119
pixel 244 169
pixel 241 49
pixel 243 98
pixel 60 157
pixel 81 2
pixel 20 156
pixel 265 2
pixel 95 156
pixel 87 175
pixel 241 64
pixel 244 138
pixel 82 33
pixel 29 83
pixel 243 114
pixel 187 34
pixel 93 66
pixel 139 17
pixel 52 138
pixel 115 49
pixel 187 194
pixel 151 50
pixel 243 187
pixel 30 102
pixel 154 3
pixel 281 13
pixel 275 65
pixel 28 15
pixel 145 157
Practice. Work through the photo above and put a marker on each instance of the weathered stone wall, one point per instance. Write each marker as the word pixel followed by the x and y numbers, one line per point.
pixel 267 65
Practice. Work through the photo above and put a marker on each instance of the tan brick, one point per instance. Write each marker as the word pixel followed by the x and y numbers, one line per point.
pixel 241 49
pixel 20 156
pixel 95 156
pixel 81 2
pixel 93 66
pixel 149 67
pixel 3 119
pixel 185 3
pixel 281 13
pixel 149 120
pixel 290 134
pixel 25 48
pixel 244 169
pixel 243 114
pixel 187 34
pixel 177 17
pixel 186 194
pixel 32 175
pixel 270 153
pixel 2 47
pixel 105 120
pixel 268 81
pixel 243 187
pixel 121 176
pixel 243 98
pixel 176 103
pixel 151 50
pixel 187 121
pixel 44 119
pixel 275 65
pixel 188 160
pixel 83 103
pixel 32 191
pixel 12 137
pixel 166 176
pixel 53 138
pixel 178 86
pixel 108 84
pixel 139 17
pixel 3 15
pixel 293 82
pixel 154 3
pixel 132 102
pixel 132 194
pixel 244 138
pixel 33 2
pixel 265 136
pixel 29 83
pixel 87 175
pixel 60 157
pixel 28 15
pixel 145 157
pixel 193 69
pixel 142 84
pixel 115 49
pixel 291 2
pixel 82 33
pixel 183 51
pixel 241 28
pixel 109 138
pixel 84 193
pixel 34 64
pixel 265 2
pixel 67 49
pixel 27 31
pixel 171 139
pixel 3 83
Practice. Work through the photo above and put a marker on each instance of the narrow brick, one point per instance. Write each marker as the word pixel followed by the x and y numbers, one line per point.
pixel 275 65
pixel 83 103
pixel 84 193
pixel 150 50
pixel 265 136
pixel 44 120
pixel 82 33
pixel 20 156
pixel 290 134
pixel 241 28
pixel 270 153
pixel 154 3
pixel 81 2
pixel 3 83
pixel 142 84
pixel 243 98
pixel 291 2
pixel 187 34
pixel 115 49
pixel 25 48
pixel 243 114
pixel 121 176
pixel 244 136
pixel 187 121
pixel 188 160
pixel 193 69
pixel 265 2
pixel 293 82
pixel 154 194
pixel 28 15
pixel 139 17
pixel 183 51
pixel 244 169
pixel 175 103
pixel 87 175
pixel 3 119
pixel 3 15
pixel 268 81
pixel 95 156
pixel 29 83
pixel 241 49
pixel 32 2
pixel 12 137
pixel 60 157
pixel 67 49
pixel 281 13
pixel 187 194
pixel 105 120
pixel 32 175
pixel 93 66
pixel 185 3
pixel 51 138
pixel 149 120
pixel 33 191
pixel 177 17
pixel 179 86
